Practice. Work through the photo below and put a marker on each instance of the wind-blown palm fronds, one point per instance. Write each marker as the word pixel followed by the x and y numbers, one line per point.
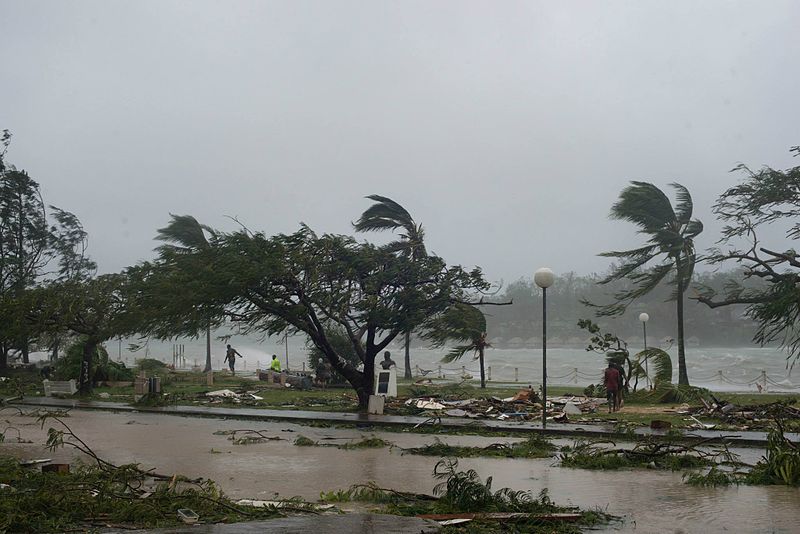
pixel 671 237
pixel 386 214
pixel 463 324
pixel 184 235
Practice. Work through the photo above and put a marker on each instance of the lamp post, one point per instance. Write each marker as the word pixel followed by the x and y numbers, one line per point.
pixel 643 317
pixel 544 278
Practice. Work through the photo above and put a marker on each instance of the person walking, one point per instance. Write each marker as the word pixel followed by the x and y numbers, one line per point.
pixel 230 357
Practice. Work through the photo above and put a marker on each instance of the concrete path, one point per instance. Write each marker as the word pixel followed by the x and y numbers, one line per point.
pixel 365 420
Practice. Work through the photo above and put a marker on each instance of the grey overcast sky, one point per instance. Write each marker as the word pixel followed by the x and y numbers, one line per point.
pixel 506 128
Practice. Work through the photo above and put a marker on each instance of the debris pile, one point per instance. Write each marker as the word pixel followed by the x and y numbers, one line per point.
pixel 523 406
pixel 743 417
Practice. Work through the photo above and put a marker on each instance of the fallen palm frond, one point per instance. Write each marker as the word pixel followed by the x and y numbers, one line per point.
pixel 534 447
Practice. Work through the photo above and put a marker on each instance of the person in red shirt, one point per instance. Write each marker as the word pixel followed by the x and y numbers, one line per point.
pixel 612 381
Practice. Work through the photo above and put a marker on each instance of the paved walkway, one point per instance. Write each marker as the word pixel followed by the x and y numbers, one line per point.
pixel 361 419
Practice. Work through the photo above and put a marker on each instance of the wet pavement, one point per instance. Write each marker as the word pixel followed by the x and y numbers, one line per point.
pixel 349 523
pixel 364 420
pixel 649 500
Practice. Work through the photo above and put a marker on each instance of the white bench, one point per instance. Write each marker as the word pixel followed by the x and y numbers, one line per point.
pixel 51 387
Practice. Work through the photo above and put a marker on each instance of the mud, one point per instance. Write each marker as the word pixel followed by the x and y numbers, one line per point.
pixel 650 501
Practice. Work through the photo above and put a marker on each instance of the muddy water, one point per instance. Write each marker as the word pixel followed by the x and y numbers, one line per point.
pixel 650 501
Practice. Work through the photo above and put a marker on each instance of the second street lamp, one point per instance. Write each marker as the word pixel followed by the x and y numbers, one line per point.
pixel 643 317
pixel 544 278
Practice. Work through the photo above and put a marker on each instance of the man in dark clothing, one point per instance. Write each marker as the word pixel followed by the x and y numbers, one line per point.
pixel 623 384
pixel 612 381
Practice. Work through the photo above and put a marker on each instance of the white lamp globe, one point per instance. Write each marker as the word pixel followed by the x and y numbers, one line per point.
pixel 544 277
pixel 643 317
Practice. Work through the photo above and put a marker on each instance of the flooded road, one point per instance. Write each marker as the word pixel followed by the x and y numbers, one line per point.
pixel 650 501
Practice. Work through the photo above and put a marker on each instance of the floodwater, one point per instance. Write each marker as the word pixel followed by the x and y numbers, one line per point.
pixel 650 501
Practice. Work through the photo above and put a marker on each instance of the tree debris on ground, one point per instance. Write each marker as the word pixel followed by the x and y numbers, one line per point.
pixel 464 492
pixel 534 447
pixel 524 406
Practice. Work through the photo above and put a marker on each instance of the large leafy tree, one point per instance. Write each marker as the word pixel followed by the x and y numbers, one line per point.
pixel 668 255
pixel 301 283
pixel 95 309
pixel 765 196
pixel 183 235
pixel 32 246
pixel 465 325
pixel 386 214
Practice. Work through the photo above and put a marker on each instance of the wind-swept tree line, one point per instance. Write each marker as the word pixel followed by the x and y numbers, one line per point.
pixel 326 285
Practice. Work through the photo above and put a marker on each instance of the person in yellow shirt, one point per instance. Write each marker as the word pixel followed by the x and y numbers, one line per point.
pixel 275 365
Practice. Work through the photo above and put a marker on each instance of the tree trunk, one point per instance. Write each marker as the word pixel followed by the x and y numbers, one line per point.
pixel 683 376
pixel 408 355
pixel 25 349
pixel 85 380
pixel 208 349
pixel 483 374
pixel 3 356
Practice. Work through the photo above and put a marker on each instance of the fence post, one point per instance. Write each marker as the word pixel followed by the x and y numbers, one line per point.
pixel 463 371
pixel 490 373
pixel 440 371
pixel 516 374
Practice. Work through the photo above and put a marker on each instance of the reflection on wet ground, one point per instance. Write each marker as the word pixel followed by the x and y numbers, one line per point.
pixel 650 501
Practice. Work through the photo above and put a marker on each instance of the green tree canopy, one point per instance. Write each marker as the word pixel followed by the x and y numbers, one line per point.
pixel 301 282
pixel 764 197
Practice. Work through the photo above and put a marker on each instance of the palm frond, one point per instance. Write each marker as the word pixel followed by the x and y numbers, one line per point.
pixel 645 205
pixel 184 233
pixel 660 365
pixel 684 205
pixel 385 214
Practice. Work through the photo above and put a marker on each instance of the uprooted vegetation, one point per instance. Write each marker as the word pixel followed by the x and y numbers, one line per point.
pixel 780 465
pixel 534 447
pixel 365 443
pixel 100 494
pixel 649 452
pixel 463 493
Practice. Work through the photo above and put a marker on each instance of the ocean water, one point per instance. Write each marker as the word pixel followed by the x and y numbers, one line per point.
pixel 721 369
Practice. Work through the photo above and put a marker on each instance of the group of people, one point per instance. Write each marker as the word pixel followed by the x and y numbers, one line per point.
pixel 231 354
pixel 615 383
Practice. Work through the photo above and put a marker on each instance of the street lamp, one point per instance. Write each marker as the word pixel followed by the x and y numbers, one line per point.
pixel 544 278
pixel 643 317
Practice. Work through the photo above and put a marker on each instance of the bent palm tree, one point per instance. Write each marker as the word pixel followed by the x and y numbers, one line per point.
pixel 184 235
pixel 671 237
pixel 386 214
pixel 464 324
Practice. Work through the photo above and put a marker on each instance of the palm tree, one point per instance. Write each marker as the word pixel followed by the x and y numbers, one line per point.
pixel 184 235
pixel 464 324
pixel 671 238
pixel 386 214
